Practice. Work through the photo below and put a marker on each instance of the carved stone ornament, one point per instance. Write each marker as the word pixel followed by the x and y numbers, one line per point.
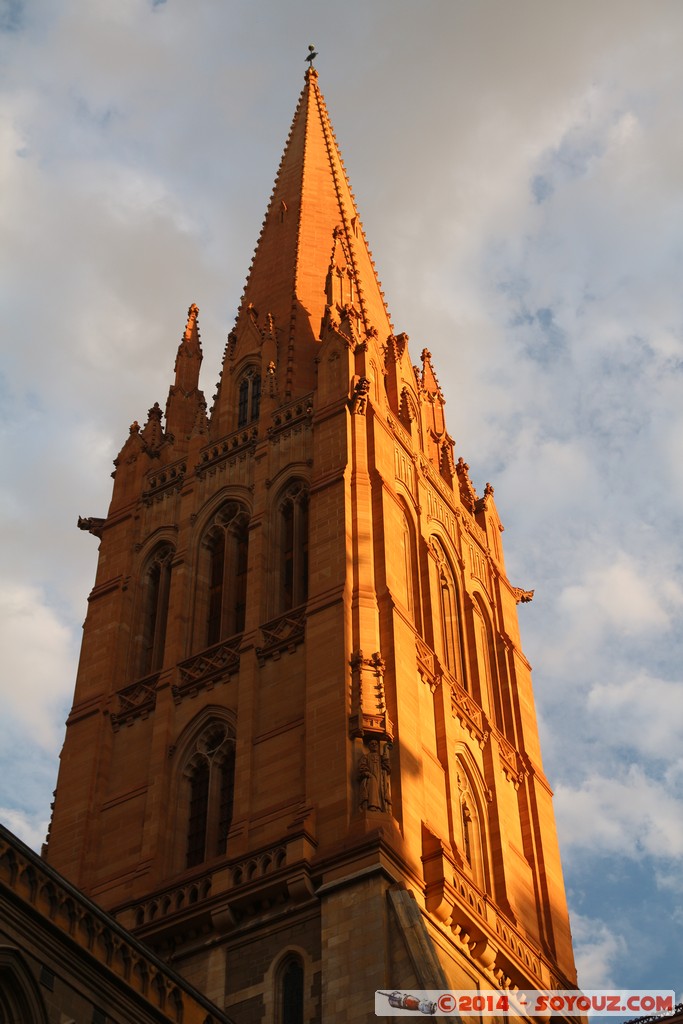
pixel 135 701
pixel 374 777
pixel 468 495
pixel 152 433
pixel 470 715
pixel 205 670
pixel 360 396
pixel 368 706
pixel 428 666
pixel 513 769
pixel 91 524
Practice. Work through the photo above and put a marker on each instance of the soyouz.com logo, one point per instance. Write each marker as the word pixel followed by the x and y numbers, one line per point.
pixel 529 1003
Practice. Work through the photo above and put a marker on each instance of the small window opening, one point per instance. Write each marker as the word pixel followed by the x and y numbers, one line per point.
pixel 249 397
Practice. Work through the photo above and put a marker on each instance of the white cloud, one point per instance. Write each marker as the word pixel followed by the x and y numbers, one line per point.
pixel 554 472
pixel 597 951
pixel 38 666
pixel 29 828
pixel 642 713
pixel 619 595
pixel 606 606
pixel 670 879
pixel 629 814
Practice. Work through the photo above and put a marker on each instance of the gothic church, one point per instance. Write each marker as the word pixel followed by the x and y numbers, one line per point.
pixel 302 762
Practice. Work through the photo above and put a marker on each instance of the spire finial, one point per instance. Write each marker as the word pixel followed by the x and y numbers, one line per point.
pixel 311 55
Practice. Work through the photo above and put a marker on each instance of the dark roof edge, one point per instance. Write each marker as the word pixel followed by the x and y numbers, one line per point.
pixel 177 979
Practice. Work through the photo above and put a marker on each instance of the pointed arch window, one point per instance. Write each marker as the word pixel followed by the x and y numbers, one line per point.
pixel 20 998
pixel 156 584
pixel 500 709
pixel 340 286
pixel 248 397
pixel 471 832
pixel 407 566
pixel 467 830
pixel 210 777
pixel 293 512
pixel 449 616
pixel 227 547
pixel 290 996
pixel 472 836
pixel 410 582
pixel 199 811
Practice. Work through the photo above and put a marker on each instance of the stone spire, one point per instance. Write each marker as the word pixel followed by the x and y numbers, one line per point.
pixel 189 358
pixel 184 397
pixel 311 253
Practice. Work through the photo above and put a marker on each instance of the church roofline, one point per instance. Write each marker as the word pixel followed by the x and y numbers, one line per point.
pixel 95 912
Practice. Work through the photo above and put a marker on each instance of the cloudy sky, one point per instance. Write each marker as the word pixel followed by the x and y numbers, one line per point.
pixel 518 167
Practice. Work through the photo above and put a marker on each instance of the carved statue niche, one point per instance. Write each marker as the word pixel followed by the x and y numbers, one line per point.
pixel 374 776
pixel 359 397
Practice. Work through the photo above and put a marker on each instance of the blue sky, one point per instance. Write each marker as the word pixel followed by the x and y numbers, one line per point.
pixel 519 171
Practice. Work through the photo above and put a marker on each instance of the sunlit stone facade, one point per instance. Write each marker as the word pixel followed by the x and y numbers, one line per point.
pixel 302 762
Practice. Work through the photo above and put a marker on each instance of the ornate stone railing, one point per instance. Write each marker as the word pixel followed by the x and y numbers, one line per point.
pixel 135 701
pixel 470 715
pixel 231 445
pixel 231 891
pixel 282 634
pixel 169 478
pixel 258 866
pixel 427 664
pixel 470 906
pixel 288 415
pixel 514 942
pixel 509 760
pixel 202 671
pixel 173 901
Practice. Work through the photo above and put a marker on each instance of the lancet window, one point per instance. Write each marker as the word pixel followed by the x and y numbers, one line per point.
pixel 225 553
pixel 293 516
pixel 248 397
pixel 210 777
pixel 472 837
pixel 290 996
pixel 491 670
pixel 20 999
pixel 410 584
pixel 340 287
pixel 449 615
pixel 156 586
pixel 407 566
pixel 467 831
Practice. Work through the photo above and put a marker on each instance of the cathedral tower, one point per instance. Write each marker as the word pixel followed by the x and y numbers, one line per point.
pixel 302 762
